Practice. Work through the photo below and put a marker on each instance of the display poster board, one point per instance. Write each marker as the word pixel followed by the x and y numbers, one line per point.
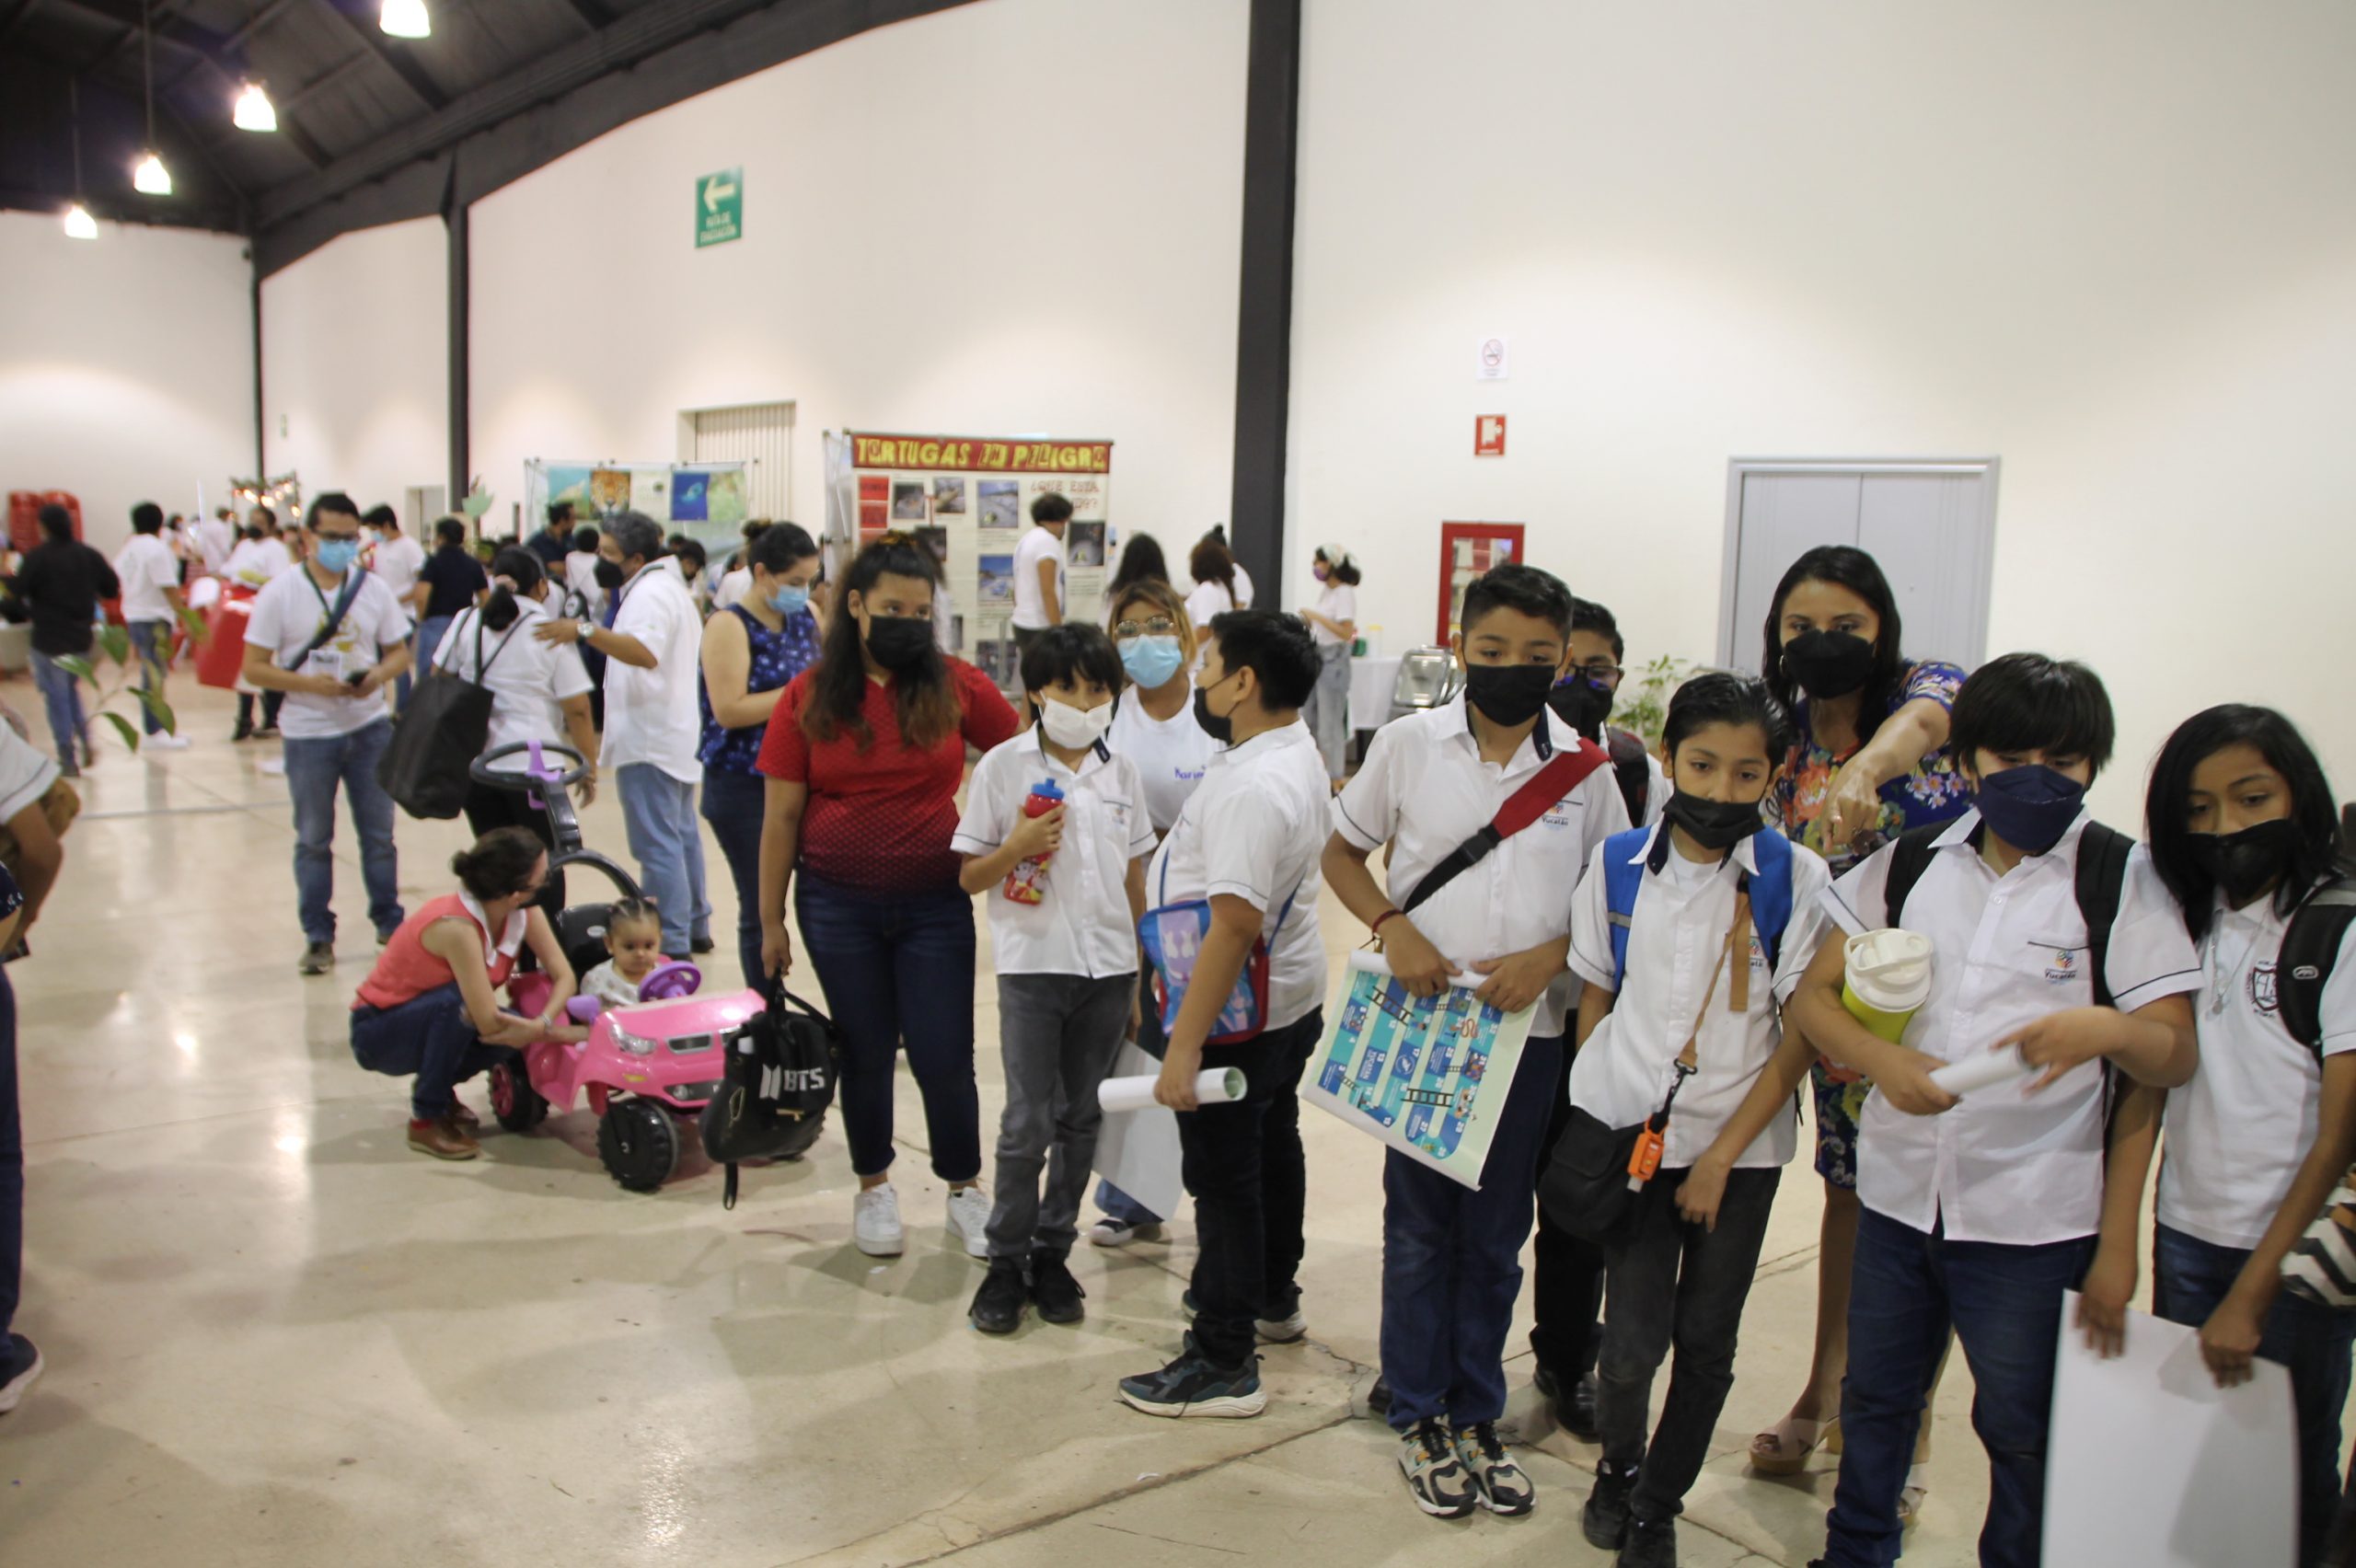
pixel 969 500
pixel 704 501
pixel 1466 550
pixel 1428 1076
pixel 1137 1151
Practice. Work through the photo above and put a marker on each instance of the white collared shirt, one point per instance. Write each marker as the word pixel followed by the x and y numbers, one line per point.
pixel 1171 754
pixel 1424 790
pixel 146 566
pixel 529 680
pixel 1255 830
pixel 1675 931
pixel 651 716
pixel 398 561
pixel 1084 925
pixel 2004 1166
pixel 510 935
pixel 2237 1134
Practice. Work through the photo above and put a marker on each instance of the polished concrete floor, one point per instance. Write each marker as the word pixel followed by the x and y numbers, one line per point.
pixel 275 1335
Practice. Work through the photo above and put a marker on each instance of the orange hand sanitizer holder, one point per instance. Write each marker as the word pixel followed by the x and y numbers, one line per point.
pixel 1645 1159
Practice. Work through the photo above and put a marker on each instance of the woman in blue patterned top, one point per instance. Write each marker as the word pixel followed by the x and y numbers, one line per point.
pixel 750 651
pixel 1869 761
pixel 19 1362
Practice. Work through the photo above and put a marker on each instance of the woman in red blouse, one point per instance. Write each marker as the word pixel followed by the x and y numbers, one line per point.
pixel 863 757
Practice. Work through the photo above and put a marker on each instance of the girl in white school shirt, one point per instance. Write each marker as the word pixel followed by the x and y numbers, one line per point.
pixel 1683 1269
pixel 2242 829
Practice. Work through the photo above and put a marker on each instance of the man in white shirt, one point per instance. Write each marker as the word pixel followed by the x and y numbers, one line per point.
pixel 1039 570
pixel 652 720
pixel 395 559
pixel 215 537
pixel 1979 1212
pixel 150 574
pixel 331 637
pixel 1246 845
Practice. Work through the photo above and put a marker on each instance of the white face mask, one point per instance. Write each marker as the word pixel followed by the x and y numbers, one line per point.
pixel 1072 728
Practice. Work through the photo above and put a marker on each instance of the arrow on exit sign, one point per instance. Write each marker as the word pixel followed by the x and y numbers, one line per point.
pixel 720 207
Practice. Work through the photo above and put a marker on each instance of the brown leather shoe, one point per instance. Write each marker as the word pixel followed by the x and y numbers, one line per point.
pixel 442 1138
pixel 463 1113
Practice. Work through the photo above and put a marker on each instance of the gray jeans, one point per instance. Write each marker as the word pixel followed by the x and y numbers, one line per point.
pixel 1058 1033
pixel 1328 710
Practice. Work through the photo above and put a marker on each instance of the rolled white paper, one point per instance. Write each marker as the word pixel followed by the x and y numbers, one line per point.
pixel 1217 1086
pixel 1984 1070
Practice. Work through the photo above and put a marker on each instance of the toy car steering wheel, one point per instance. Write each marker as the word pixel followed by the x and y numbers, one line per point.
pixel 670 982
pixel 540 772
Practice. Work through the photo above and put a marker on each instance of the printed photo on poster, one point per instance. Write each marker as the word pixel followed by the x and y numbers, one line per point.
pixel 608 491
pixel 1001 504
pixel 948 495
pixel 908 502
pixel 724 498
pixel 874 516
pixel 1000 660
pixel 570 484
pixel 997 586
pixel 935 539
pixel 875 486
pixel 1083 545
pixel 688 496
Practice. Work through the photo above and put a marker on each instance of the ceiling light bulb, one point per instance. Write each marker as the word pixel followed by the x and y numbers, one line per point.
pixel 406 18
pixel 254 111
pixel 79 225
pixel 151 178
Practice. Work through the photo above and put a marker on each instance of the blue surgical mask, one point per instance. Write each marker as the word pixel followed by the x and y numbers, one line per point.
pixel 2030 807
pixel 789 601
pixel 1151 661
pixel 337 555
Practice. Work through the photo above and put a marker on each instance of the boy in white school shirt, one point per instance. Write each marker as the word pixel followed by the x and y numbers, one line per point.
pixel 1067 965
pixel 1450 1255
pixel 1979 1213
pixel 1247 843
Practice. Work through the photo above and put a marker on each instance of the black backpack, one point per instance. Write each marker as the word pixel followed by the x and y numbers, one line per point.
pixel 428 766
pixel 1632 772
pixel 2309 948
pixel 2101 880
pixel 775 1085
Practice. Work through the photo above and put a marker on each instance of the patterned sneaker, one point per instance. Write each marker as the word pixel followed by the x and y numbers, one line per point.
pixel 1504 1488
pixel 1436 1478
pixel 1192 1386
pixel 1604 1520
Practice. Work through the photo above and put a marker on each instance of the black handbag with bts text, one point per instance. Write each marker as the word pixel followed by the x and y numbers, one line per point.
pixel 775 1086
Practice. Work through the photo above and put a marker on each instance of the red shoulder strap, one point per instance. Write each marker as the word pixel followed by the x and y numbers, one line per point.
pixel 1562 773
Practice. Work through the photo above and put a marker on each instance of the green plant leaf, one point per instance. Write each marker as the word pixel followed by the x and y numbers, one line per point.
pixel 161 710
pixel 114 641
pixel 122 727
pixel 194 624
pixel 77 666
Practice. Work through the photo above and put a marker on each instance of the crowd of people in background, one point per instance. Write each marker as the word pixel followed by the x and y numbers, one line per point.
pixel 1675 912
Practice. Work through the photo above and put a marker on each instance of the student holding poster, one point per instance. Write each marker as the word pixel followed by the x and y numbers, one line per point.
pixel 1431 784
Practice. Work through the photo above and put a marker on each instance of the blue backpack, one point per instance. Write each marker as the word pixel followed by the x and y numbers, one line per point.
pixel 1771 891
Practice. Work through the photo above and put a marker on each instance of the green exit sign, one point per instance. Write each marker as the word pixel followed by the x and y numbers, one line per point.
pixel 720 208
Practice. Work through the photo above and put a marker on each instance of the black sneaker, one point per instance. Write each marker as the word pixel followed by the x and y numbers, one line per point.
pixel 317 958
pixel 1574 1412
pixel 18 1353
pixel 998 1305
pixel 1504 1488
pixel 1604 1520
pixel 1191 1385
pixel 1651 1543
pixel 701 946
pixel 1058 1293
pixel 1437 1479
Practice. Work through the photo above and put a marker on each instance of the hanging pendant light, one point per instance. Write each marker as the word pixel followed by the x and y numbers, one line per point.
pixel 79 225
pixel 149 177
pixel 254 111
pixel 405 18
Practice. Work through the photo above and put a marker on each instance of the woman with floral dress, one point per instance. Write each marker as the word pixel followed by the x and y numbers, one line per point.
pixel 1869 761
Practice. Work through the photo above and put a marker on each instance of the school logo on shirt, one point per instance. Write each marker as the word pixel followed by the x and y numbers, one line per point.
pixel 1559 815
pixel 2062 967
pixel 2262 993
pixel 1758 953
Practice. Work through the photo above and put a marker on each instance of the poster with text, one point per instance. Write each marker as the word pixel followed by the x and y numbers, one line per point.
pixel 1427 1075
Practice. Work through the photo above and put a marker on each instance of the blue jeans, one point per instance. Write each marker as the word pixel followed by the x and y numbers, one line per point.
pixel 1451 1260
pixel 2190 1277
pixel 12 1187
pixel 1907 1290
pixel 429 638
pixel 61 694
pixel 315 766
pixel 659 818
pixel 734 803
pixel 1115 1203
pixel 898 969
pixel 429 1035
pixel 151 640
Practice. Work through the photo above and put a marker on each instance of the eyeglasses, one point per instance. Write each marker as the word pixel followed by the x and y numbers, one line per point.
pixel 1599 673
pixel 1160 626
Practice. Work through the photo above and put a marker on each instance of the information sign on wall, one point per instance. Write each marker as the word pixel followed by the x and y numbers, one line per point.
pixel 720 207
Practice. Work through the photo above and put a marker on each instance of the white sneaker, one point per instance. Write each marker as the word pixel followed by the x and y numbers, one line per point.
pixel 1110 1232
pixel 875 1222
pixel 165 743
pixel 969 1220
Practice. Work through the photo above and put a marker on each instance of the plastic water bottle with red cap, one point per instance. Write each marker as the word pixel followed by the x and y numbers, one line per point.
pixel 1027 883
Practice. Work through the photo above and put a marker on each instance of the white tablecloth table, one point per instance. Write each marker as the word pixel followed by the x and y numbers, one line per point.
pixel 1372 679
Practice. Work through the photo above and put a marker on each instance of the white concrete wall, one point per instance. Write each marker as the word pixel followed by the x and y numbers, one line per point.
pixel 126 366
pixel 1014 217
pixel 355 364
pixel 2113 243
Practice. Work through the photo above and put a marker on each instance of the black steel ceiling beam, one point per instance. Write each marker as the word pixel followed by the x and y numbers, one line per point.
pixel 429 92
pixel 15 17
pixel 1263 296
pixel 597 13
pixel 172 213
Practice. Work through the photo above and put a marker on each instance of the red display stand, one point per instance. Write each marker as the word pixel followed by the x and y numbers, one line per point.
pixel 1466 550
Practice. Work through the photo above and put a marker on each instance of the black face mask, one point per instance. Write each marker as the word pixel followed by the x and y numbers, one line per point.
pixel 900 643
pixel 1829 663
pixel 1510 694
pixel 609 576
pixel 1713 825
pixel 1581 704
pixel 1221 728
pixel 2246 864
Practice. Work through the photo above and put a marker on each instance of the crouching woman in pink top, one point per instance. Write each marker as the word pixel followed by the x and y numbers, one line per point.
pixel 431 1006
